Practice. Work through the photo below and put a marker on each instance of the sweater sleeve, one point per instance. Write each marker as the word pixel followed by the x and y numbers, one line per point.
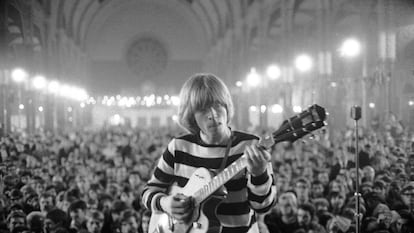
pixel 160 181
pixel 262 190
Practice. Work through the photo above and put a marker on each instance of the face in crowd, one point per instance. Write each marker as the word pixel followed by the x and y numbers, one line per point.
pixel 304 217
pixel 46 203
pixel 288 205
pixel 302 191
pixel 317 190
pixel 129 225
pixel 94 221
pixel 16 219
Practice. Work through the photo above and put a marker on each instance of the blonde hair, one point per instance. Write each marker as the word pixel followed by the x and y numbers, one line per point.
pixel 198 93
pixel 290 198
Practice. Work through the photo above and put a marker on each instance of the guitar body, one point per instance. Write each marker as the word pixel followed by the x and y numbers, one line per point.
pixel 203 219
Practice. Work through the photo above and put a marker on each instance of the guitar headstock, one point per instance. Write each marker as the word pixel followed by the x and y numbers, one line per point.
pixel 302 124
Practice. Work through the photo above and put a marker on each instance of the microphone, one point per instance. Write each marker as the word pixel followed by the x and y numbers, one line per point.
pixel 356 112
pixel 356 115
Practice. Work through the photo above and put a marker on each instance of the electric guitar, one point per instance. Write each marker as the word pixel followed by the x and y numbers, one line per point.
pixel 208 191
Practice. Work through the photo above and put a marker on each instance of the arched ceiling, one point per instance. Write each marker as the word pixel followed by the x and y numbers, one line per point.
pixel 200 21
pixel 189 29
pixel 114 26
pixel 102 27
pixel 105 29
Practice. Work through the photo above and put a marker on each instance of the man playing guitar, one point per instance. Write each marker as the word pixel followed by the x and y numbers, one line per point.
pixel 205 111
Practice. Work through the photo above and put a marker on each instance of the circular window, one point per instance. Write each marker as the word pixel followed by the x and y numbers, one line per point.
pixel 147 57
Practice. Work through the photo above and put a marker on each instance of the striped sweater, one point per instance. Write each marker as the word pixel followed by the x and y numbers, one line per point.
pixel 245 194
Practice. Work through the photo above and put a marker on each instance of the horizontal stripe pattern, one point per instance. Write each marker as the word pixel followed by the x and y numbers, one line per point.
pixel 230 220
pixel 236 184
pixel 240 229
pixel 236 208
pixel 235 196
pixel 187 153
pixel 235 229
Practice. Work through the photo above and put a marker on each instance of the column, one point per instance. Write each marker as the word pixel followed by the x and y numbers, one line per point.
pixel 263 53
pixel 243 70
pixel 390 81
pixel 386 47
pixel 60 109
pixel 30 110
pixel 286 65
pixel 27 58
pixel 4 117
pixel 49 109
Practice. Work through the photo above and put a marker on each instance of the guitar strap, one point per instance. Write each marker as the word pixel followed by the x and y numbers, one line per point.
pixel 226 153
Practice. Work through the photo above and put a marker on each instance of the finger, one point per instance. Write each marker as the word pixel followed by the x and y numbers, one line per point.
pixel 257 155
pixel 187 215
pixel 263 152
pixel 176 204
pixel 185 205
pixel 186 201
pixel 184 210
pixel 179 204
pixel 253 161
pixel 250 155
pixel 182 214
pixel 260 147
pixel 178 197
pixel 182 217
pixel 266 155
pixel 181 196
pixel 178 200
pixel 179 211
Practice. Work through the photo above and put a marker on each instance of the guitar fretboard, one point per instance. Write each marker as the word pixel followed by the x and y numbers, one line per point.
pixel 219 180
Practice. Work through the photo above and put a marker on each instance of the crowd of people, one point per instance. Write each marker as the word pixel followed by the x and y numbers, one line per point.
pixel 87 181
pixel 92 181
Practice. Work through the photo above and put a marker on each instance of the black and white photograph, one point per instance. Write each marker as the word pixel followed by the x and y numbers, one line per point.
pixel 206 116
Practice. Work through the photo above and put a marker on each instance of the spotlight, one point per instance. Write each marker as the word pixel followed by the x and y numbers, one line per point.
pixel 351 47
pixel 277 108
pixel 39 82
pixel 253 78
pixel 19 75
pixel 303 63
pixel 273 71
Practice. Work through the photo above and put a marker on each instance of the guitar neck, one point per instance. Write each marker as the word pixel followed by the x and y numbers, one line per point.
pixel 219 180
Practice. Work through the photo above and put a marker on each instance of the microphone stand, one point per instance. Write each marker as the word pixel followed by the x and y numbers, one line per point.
pixel 356 115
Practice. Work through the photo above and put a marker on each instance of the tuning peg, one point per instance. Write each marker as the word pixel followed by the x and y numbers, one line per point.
pixel 325 123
